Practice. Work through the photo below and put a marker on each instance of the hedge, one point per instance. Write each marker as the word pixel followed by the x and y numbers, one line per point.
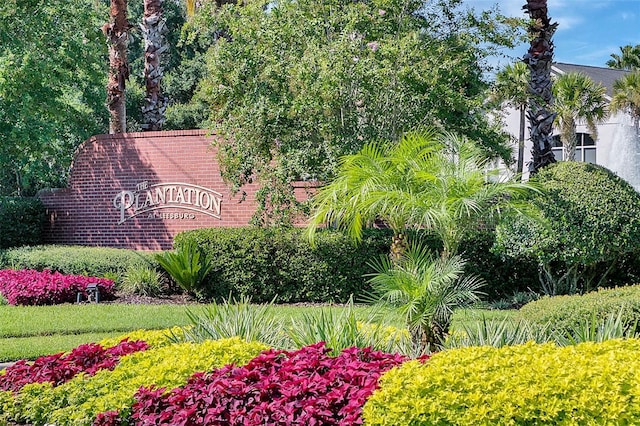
pixel 264 263
pixel 21 221
pixel 76 260
pixel 541 384
pixel 564 313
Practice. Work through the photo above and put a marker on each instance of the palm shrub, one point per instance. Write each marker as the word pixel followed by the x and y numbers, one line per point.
pixel 428 179
pixel 188 266
pixel 425 290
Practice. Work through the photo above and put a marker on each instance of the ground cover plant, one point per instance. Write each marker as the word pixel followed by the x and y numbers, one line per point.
pixel 59 368
pixel 590 383
pixel 30 287
pixel 277 387
pixel 81 399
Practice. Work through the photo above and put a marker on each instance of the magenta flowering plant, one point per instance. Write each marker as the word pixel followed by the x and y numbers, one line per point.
pixel 60 368
pixel 30 287
pixel 277 387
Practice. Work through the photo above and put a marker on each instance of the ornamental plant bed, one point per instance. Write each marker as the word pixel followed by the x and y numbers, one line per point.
pixel 307 386
pixel 30 287
pixel 60 368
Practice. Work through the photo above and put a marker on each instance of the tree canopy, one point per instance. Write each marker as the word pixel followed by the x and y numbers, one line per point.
pixel 294 85
pixel 51 88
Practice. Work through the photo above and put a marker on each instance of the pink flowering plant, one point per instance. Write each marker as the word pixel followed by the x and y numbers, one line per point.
pixel 60 368
pixel 29 287
pixel 307 386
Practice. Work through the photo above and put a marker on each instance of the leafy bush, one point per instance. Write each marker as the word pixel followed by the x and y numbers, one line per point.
pixel 265 263
pixel 142 280
pixel 275 388
pixel 589 383
pixel 564 313
pixel 60 368
pixel 592 220
pixel 21 221
pixel 188 265
pixel 76 260
pixel 79 400
pixel 28 287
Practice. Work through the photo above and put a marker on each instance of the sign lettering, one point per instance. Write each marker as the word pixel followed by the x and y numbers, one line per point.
pixel 149 198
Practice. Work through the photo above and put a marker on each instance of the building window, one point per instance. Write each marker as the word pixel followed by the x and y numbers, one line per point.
pixel 585 148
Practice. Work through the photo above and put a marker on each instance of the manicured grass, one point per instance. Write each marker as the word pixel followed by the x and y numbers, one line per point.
pixel 23 321
pixel 32 331
pixel 14 348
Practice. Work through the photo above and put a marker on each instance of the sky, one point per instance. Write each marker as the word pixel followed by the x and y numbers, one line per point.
pixel 589 31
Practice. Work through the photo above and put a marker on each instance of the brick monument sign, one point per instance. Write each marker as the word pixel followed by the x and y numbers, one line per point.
pixel 138 190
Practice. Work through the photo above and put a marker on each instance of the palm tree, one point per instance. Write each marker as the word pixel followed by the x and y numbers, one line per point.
pixel 512 88
pixel 153 27
pixel 425 291
pixel 428 180
pixel 578 98
pixel 626 97
pixel 628 59
pixel 117 33
pixel 539 59
pixel 190 6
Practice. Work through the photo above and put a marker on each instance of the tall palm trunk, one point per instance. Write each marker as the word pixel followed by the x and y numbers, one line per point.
pixel 117 33
pixel 153 27
pixel 539 59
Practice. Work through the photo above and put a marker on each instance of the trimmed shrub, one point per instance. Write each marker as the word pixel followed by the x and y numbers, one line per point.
pixel 28 287
pixel 77 260
pixel 79 400
pixel 21 221
pixel 592 220
pixel 588 384
pixel 277 388
pixel 566 313
pixel 503 275
pixel 264 263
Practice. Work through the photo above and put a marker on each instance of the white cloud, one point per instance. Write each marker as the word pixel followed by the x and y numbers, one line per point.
pixel 567 22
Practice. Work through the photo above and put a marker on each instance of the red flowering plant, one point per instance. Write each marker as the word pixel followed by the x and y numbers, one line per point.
pixel 29 287
pixel 306 386
pixel 60 368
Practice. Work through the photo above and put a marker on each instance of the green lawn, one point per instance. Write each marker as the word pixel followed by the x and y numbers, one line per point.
pixel 32 331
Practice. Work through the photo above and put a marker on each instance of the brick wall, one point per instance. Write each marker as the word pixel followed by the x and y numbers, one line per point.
pixel 138 190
